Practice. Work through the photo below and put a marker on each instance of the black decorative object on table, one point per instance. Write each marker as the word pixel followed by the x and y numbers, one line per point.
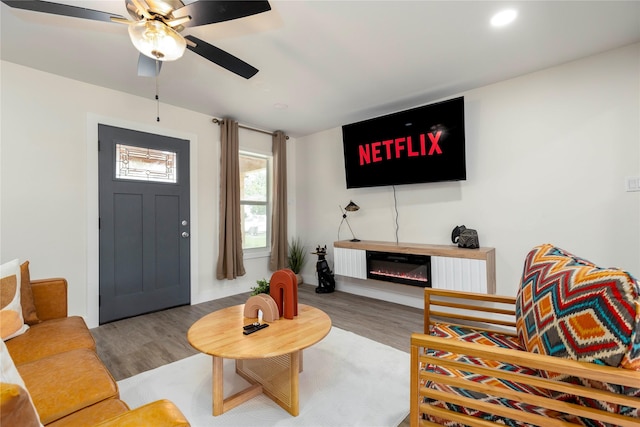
pixel 251 326
pixel 465 237
pixel 326 281
pixel 254 329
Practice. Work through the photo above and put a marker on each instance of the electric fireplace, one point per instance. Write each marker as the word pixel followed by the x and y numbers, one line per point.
pixel 407 269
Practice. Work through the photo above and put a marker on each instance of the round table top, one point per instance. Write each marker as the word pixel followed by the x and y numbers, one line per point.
pixel 220 333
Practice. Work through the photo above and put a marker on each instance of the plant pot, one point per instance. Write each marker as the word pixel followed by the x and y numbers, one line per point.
pixel 300 279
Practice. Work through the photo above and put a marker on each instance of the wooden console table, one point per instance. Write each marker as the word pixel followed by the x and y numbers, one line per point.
pixel 455 268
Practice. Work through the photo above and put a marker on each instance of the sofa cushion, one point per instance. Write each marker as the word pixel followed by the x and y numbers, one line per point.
pixel 490 339
pixel 468 334
pixel 17 406
pixel 568 307
pixel 11 320
pixel 80 380
pixel 160 413
pixel 94 414
pixel 50 298
pixel 26 296
pixel 51 337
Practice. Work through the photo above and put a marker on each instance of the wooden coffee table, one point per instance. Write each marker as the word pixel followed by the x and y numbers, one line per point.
pixel 270 359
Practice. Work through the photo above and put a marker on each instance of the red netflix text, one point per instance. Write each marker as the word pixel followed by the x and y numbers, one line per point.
pixel 399 147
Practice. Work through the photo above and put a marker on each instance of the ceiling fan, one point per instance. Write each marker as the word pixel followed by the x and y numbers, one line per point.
pixel 157 24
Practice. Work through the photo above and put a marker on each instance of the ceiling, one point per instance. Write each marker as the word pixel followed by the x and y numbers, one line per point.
pixel 327 63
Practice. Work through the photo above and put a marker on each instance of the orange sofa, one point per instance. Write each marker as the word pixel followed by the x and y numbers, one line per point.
pixel 63 375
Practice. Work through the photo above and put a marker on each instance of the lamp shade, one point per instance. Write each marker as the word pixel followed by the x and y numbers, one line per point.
pixel 351 207
pixel 157 40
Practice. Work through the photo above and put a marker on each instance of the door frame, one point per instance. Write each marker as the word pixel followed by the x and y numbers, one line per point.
pixel 93 271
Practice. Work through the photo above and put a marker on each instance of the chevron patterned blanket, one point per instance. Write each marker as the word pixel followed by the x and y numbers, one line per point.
pixel 568 307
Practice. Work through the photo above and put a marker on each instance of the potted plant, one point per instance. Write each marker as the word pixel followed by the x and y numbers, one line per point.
pixel 297 257
pixel 262 288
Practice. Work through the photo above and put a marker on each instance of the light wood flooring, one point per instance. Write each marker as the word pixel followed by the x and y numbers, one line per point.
pixel 131 346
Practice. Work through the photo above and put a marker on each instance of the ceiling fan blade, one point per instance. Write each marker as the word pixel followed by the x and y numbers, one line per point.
pixel 205 12
pixel 147 66
pixel 60 9
pixel 220 57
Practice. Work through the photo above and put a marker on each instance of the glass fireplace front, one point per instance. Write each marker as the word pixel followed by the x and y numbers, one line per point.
pixel 407 269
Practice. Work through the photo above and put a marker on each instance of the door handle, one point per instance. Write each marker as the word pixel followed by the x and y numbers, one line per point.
pixel 185 234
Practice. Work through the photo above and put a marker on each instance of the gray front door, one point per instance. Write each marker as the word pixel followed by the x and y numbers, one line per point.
pixel 144 222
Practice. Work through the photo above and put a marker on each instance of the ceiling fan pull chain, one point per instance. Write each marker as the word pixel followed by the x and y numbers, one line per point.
pixel 157 90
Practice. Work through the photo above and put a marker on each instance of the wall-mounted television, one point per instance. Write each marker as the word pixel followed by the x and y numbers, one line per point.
pixel 424 144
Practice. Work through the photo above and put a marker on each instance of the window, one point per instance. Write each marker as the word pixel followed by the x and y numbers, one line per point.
pixel 255 215
pixel 145 164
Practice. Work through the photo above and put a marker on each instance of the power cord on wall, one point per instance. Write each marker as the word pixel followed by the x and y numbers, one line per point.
pixel 395 206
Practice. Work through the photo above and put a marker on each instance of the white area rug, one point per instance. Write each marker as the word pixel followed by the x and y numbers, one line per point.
pixel 348 380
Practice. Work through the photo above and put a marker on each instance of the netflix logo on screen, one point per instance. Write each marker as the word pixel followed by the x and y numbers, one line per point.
pixel 424 144
pixel 398 147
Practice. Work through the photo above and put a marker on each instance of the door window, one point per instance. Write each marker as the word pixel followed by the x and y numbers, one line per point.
pixel 145 164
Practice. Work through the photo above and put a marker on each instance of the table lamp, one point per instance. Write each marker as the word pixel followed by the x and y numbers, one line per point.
pixel 351 207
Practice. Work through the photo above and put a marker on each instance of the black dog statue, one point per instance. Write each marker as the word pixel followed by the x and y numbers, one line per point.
pixel 326 281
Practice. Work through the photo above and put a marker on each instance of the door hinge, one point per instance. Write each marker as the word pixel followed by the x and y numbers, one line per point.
pixel 98 145
pixel 99 300
pixel 99 223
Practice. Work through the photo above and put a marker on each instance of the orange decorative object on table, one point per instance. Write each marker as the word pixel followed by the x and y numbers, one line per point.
pixel 262 302
pixel 283 288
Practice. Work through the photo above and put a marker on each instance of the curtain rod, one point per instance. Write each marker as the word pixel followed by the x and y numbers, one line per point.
pixel 219 122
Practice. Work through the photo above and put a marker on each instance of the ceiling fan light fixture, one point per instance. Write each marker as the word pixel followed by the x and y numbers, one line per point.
pixel 157 40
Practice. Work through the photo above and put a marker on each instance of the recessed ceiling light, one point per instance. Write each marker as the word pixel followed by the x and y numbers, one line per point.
pixel 503 18
pixel 280 106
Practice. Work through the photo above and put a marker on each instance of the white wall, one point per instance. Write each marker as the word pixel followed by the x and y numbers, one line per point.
pixel 547 158
pixel 48 181
pixel 547 155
